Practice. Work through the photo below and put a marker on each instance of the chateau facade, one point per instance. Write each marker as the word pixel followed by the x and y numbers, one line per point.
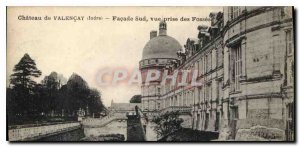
pixel 245 62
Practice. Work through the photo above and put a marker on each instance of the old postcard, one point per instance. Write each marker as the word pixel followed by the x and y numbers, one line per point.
pixel 164 74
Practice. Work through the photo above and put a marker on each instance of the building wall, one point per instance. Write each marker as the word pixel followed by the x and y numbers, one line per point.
pixel 246 71
pixel 261 34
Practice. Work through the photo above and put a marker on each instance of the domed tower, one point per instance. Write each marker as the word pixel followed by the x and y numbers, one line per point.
pixel 158 52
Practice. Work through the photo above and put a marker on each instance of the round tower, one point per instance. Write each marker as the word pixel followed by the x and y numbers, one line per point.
pixel 158 52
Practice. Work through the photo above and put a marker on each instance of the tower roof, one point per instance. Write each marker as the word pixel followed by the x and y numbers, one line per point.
pixel 162 46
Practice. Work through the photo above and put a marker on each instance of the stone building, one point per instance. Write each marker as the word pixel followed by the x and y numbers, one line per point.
pixel 157 54
pixel 257 42
pixel 245 62
pixel 122 108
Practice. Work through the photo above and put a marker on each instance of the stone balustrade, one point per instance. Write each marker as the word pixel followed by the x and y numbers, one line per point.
pixel 181 109
pixel 30 133
pixel 96 122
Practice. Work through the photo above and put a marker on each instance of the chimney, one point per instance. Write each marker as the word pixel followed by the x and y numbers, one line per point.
pixel 153 34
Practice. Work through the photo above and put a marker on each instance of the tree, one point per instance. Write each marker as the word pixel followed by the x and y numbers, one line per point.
pixel 136 99
pixel 167 123
pixel 63 101
pixel 23 86
pixel 95 103
pixel 51 81
pixel 69 98
pixel 11 105
pixel 51 85
pixel 28 101
pixel 24 71
pixel 78 92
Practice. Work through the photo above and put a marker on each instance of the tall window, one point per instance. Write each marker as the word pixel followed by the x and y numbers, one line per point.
pixel 205 64
pixel 204 93
pixel 208 62
pixel 291 72
pixel 219 91
pixel 236 69
pixel 146 104
pixel 220 56
pixel 289 41
pixel 201 66
pixel 290 50
pixel 235 113
pixel 198 95
pixel 198 68
pixel 208 92
pixel 234 12
pixel 158 90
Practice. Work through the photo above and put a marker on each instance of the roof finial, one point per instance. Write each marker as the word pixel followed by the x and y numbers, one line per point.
pixel 162 28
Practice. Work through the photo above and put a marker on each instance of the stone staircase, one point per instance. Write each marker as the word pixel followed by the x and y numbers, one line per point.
pixel 97 123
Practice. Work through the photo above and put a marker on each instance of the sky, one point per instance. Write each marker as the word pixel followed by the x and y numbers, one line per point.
pixel 89 46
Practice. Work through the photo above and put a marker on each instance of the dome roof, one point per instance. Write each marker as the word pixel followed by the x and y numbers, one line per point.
pixel 162 46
